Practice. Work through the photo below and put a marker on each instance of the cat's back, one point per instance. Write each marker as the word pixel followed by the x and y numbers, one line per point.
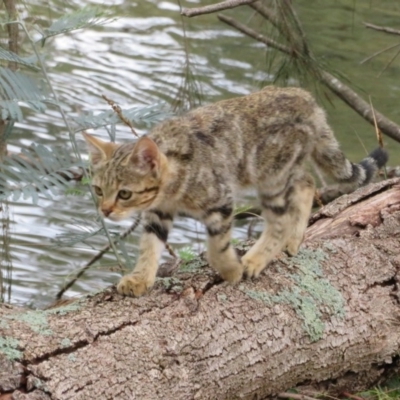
pixel 227 126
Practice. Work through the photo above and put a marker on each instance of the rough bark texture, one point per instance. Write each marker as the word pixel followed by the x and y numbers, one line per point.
pixel 327 319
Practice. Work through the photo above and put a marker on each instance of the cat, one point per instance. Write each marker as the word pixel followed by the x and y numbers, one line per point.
pixel 193 164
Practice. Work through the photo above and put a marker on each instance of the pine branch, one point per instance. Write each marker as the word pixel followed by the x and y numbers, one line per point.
pixel 343 91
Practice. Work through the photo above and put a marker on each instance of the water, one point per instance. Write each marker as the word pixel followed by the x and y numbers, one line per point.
pixel 138 59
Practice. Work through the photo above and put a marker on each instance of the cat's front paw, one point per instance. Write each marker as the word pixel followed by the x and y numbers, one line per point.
pixel 134 285
pixel 232 275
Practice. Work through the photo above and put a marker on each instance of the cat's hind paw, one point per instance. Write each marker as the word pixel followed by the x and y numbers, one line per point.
pixel 134 285
pixel 253 266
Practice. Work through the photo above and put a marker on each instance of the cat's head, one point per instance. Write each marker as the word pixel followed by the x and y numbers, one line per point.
pixel 126 177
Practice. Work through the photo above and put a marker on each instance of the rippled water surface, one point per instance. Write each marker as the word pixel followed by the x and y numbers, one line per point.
pixel 138 59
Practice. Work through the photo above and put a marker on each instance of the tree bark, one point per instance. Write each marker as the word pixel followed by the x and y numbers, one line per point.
pixel 326 320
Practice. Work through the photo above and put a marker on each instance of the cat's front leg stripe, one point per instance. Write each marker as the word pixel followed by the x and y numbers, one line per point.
pixel 226 247
pixel 160 231
pixel 225 211
pixel 162 215
pixel 220 230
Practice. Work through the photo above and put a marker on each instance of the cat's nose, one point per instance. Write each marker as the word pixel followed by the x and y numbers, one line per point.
pixel 106 211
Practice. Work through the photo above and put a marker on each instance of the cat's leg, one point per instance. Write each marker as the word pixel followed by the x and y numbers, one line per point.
pixel 302 204
pixel 286 215
pixel 271 241
pixel 221 255
pixel 154 237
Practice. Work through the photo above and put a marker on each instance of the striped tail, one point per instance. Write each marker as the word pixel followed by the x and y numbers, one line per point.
pixel 331 160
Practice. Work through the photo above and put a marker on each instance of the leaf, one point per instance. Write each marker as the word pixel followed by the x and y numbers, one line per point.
pixel 83 18
pixel 7 55
pixel 137 115
pixel 16 87
pixel 41 170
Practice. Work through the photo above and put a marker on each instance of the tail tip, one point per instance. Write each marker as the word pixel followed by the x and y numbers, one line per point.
pixel 380 155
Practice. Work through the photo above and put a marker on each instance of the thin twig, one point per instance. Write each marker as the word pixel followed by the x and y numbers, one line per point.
pixel 170 250
pixel 377 130
pixel 268 14
pixel 378 135
pixel 118 111
pixel 382 28
pixel 379 52
pixel 97 257
pixel 252 33
pixel 352 396
pixel 224 5
pixel 389 63
pixel 295 396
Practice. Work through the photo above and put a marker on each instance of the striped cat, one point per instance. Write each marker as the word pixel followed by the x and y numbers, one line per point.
pixel 194 164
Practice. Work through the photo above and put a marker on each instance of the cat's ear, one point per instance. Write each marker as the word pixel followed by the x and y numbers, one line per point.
pixel 146 155
pixel 99 150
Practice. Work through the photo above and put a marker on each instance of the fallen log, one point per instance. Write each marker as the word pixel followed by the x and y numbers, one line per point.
pixel 326 321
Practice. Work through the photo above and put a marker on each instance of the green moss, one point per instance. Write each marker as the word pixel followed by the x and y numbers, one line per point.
pixel 37 320
pixel 4 325
pixel 65 343
pixel 72 357
pixel 256 295
pixel 222 297
pixel 9 347
pixel 171 283
pixel 75 306
pixel 39 384
pixel 310 292
pixel 193 265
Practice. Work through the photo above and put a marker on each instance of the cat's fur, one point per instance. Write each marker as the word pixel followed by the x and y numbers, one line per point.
pixel 195 163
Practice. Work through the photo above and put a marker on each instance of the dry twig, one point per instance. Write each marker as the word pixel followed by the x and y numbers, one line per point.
pixel 295 396
pixel 97 257
pixel 382 28
pixel 118 111
pixel 224 5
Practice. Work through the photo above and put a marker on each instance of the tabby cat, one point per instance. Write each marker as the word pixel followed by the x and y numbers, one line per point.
pixel 194 164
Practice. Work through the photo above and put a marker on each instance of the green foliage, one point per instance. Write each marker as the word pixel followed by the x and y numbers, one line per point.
pixel 239 209
pixel 38 171
pixel 83 18
pixel 9 56
pixel 389 391
pixel 187 254
pixel 81 231
pixel 16 87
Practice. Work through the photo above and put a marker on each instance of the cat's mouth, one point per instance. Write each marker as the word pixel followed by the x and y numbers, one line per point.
pixel 119 216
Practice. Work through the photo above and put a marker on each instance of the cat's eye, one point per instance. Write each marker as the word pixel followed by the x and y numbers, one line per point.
pixel 97 190
pixel 124 194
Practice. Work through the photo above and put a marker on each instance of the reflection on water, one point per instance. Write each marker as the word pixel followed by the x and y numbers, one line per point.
pixel 138 59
